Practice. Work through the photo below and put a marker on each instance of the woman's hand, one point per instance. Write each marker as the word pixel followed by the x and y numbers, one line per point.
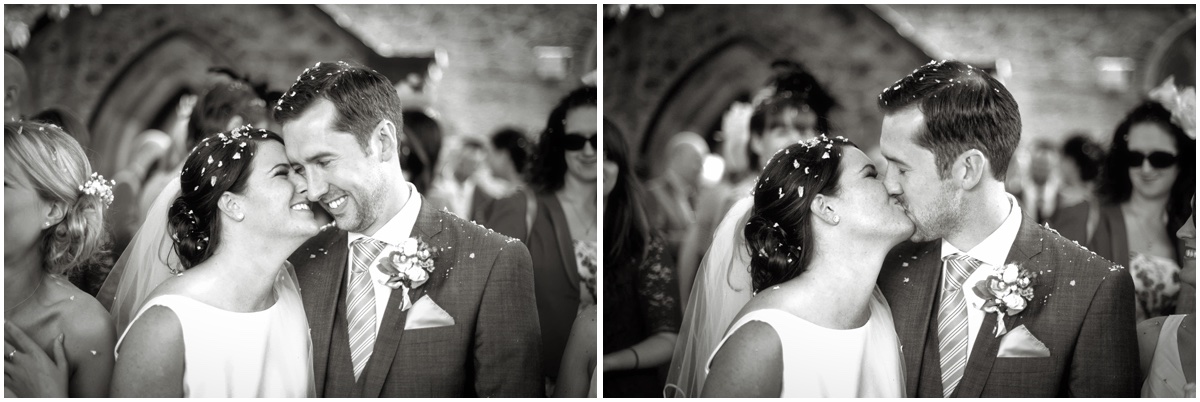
pixel 28 371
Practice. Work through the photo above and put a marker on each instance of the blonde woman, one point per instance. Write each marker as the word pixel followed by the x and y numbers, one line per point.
pixel 58 340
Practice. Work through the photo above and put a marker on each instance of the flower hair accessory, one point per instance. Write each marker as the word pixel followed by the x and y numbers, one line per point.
pixel 1182 104
pixel 96 186
pixel 1007 291
pixel 407 266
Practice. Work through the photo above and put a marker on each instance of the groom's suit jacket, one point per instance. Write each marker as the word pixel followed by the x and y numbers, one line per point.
pixel 482 279
pixel 1082 311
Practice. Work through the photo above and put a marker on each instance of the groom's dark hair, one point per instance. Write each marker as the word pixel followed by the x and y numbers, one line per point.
pixel 362 97
pixel 964 107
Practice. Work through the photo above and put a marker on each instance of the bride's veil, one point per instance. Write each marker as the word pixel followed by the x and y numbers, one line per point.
pixel 149 260
pixel 722 288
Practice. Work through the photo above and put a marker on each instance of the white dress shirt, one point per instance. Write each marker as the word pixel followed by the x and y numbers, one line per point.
pixel 393 233
pixel 993 251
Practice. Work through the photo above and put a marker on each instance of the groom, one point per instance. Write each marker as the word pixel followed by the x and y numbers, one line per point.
pixel 948 134
pixel 469 329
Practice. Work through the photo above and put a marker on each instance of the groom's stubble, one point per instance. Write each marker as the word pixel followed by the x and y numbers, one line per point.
pixel 942 215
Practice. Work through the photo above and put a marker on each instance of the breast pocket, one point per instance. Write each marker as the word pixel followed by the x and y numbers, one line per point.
pixel 430 335
pixel 1023 377
pixel 1023 365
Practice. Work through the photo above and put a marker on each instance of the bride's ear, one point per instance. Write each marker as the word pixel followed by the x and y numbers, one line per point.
pixel 231 206
pixel 823 210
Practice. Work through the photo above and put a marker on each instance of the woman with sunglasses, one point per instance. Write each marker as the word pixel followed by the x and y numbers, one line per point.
pixel 559 223
pixel 1146 184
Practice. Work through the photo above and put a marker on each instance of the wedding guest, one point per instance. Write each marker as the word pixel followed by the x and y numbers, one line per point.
pixel 508 162
pixel 457 186
pixel 577 373
pixel 510 154
pixel 792 107
pixel 1081 159
pixel 1168 344
pixel 1146 181
pixel 89 277
pixel 16 83
pixel 421 148
pixel 673 194
pixel 560 228
pixel 230 323
pixel 58 339
pixel 642 309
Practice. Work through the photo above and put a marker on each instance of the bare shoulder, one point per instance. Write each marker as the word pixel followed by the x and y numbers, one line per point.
pixel 82 317
pixel 748 364
pixel 156 329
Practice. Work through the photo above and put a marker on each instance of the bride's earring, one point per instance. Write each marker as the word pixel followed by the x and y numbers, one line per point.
pixel 837 219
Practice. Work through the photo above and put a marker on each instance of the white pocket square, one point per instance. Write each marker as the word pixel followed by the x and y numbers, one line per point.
pixel 427 314
pixel 1021 343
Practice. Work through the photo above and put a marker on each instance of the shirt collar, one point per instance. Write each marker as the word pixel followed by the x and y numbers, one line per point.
pixel 400 227
pixel 994 249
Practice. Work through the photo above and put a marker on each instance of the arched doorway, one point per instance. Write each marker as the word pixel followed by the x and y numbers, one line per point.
pixel 145 90
pixel 698 99
pixel 1173 54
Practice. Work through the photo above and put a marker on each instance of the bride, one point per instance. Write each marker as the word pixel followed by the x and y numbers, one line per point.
pixel 815 233
pixel 232 324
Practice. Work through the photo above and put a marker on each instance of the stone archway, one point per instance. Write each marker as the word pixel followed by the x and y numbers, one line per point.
pixel 175 63
pixel 1173 54
pixel 701 94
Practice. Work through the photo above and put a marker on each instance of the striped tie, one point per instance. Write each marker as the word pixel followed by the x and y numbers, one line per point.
pixel 952 321
pixel 360 304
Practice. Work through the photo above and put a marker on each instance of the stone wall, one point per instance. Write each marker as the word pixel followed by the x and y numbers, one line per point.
pixel 118 69
pixel 489 79
pixel 707 56
pixel 678 71
pixel 1052 51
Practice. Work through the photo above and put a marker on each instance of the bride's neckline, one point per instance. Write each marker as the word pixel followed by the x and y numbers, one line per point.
pixel 867 323
pixel 212 307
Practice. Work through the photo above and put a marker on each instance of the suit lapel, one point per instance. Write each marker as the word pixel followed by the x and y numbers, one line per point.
pixel 983 353
pixel 324 265
pixel 428 227
pixel 918 295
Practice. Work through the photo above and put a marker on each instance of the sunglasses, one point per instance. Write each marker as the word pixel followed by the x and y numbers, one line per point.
pixel 574 142
pixel 1158 159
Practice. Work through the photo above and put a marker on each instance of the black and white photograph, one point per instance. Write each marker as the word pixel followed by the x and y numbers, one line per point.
pixel 899 200
pixel 238 200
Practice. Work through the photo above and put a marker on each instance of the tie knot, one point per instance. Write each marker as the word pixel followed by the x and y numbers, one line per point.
pixel 365 250
pixel 958 267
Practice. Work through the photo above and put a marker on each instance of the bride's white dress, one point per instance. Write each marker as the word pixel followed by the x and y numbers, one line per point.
pixel 822 362
pixel 230 354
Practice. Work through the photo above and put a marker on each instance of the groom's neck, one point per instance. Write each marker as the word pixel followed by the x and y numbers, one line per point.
pixel 394 200
pixel 983 212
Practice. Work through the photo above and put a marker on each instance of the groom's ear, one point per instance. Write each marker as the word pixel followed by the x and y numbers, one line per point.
pixel 386 132
pixel 822 209
pixel 230 205
pixel 970 168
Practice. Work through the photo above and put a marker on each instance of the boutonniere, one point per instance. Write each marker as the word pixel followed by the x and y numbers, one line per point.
pixel 407 266
pixel 1007 291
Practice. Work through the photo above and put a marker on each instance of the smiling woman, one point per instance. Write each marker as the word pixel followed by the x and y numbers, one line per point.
pixel 560 226
pixel 235 303
pixel 1146 183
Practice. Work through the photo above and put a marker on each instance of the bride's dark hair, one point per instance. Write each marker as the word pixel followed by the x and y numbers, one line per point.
pixel 217 164
pixel 779 231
